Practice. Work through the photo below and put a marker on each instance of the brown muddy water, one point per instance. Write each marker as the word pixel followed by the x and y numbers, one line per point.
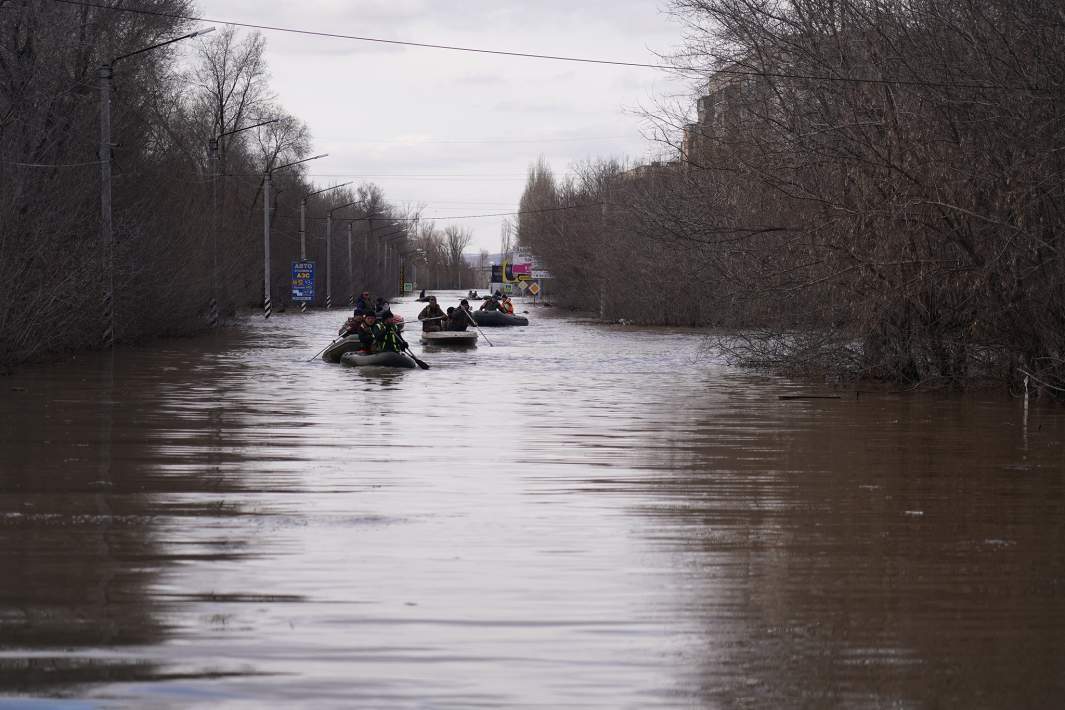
pixel 580 516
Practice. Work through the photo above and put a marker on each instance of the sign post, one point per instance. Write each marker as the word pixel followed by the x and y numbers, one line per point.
pixel 303 281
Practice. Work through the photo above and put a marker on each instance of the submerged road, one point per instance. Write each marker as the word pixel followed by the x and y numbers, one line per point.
pixel 580 516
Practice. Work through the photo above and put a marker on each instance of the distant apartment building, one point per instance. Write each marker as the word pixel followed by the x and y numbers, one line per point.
pixel 719 113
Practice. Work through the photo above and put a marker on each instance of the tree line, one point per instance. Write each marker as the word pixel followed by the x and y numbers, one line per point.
pixel 440 262
pixel 869 189
pixel 187 221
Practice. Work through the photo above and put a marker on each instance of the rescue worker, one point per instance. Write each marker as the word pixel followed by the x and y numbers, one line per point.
pixel 461 317
pixel 388 338
pixel 363 304
pixel 370 332
pixel 506 306
pixel 431 316
pixel 351 326
pixel 492 304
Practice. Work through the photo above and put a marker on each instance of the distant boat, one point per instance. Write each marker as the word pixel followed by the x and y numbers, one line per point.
pixel 495 319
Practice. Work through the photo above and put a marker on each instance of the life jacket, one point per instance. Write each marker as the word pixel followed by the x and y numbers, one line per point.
pixel 507 307
pixel 369 335
pixel 389 340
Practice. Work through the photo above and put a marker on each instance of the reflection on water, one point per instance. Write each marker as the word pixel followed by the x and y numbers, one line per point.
pixel 578 515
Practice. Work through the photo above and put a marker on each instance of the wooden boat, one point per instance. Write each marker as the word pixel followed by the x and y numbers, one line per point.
pixel 450 337
pixel 385 359
pixel 345 345
pixel 495 319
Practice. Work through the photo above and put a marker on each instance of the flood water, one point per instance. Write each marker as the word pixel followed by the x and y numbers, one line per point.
pixel 579 516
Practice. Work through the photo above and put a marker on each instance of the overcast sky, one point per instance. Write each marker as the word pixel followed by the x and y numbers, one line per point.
pixel 457 131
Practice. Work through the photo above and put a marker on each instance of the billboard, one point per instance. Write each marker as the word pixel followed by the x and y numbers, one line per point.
pixel 511 273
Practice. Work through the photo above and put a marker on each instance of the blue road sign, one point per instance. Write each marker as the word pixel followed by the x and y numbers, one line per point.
pixel 303 281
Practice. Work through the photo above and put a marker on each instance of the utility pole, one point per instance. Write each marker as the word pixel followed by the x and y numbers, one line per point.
pixel 366 254
pixel 329 261
pixel 212 150
pixel 303 228
pixel 351 271
pixel 105 75
pixel 267 179
pixel 329 252
pixel 267 306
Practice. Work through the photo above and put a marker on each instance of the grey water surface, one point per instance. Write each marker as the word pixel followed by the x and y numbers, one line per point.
pixel 579 516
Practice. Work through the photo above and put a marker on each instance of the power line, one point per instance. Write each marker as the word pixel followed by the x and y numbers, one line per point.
pixel 378 40
pixel 561 58
pixel 50 165
pixel 416 143
pixel 429 218
pixel 426 218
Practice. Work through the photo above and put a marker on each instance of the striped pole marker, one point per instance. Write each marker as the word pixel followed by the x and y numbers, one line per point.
pixel 109 321
pixel 328 302
pixel 303 306
pixel 266 308
pixel 212 315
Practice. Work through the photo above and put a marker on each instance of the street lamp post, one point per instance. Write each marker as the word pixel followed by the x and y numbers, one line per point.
pixel 366 252
pixel 351 272
pixel 392 261
pixel 212 150
pixel 329 253
pixel 303 226
pixel 267 179
pixel 105 74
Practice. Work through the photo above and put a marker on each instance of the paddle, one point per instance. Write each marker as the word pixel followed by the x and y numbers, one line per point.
pixel 471 320
pixel 420 363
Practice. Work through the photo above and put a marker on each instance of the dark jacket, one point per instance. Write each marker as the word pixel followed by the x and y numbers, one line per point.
pixel 362 306
pixel 490 305
pixel 460 319
pixel 433 310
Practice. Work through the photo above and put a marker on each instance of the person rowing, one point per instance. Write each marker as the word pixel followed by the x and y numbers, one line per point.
pixel 387 337
pixel 351 326
pixel 431 316
pixel 369 332
pixel 459 318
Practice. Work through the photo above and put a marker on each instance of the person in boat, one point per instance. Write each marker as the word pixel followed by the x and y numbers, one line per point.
pixel 351 326
pixel 506 306
pixel 369 332
pixel 380 307
pixel 363 304
pixel 461 317
pixel 431 316
pixel 387 338
pixel 491 304
pixel 422 294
